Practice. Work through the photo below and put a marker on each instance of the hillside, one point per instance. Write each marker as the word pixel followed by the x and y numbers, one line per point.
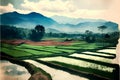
pixel 26 20
pixel 69 24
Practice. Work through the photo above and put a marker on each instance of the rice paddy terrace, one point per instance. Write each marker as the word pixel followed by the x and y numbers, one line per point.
pixel 75 61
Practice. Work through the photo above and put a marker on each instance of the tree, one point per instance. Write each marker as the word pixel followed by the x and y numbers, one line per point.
pixel 9 32
pixel 102 28
pixel 37 33
pixel 90 38
pixel 107 36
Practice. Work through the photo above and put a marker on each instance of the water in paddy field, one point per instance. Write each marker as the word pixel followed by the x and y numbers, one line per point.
pixel 113 51
pixel 55 73
pixel 10 71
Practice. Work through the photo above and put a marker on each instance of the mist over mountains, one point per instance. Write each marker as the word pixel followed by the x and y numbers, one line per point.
pixel 68 20
pixel 56 24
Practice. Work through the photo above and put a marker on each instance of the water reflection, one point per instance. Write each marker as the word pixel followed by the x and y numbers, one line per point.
pixel 10 71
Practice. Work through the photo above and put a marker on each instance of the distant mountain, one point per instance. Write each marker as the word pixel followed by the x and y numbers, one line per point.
pixel 48 30
pixel 68 20
pixel 56 24
pixel 81 24
pixel 26 20
pixel 92 26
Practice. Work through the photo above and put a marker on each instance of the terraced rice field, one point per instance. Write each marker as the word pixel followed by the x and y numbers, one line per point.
pixel 113 51
pixel 87 61
pixel 78 61
pixel 90 56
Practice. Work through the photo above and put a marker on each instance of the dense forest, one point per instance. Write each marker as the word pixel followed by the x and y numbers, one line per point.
pixel 12 32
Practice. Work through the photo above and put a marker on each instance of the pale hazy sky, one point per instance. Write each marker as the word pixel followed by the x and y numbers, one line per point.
pixel 98 9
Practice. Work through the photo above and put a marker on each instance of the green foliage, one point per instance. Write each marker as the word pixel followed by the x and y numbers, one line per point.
pixel 89 37
pixel 37 33
pixel 44 51
pixel 111 38
pixel 11 32
pixel 14 52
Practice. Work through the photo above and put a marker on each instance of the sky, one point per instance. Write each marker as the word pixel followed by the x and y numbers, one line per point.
pixel 95 9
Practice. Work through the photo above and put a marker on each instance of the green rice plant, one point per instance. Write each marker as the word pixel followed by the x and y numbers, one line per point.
pixel 76 43
pixel 53 49
pixel 88 70
pixel 80 63
pixel 34 52
pixel 15 53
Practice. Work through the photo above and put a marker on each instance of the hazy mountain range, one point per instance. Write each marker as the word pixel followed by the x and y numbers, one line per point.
pixel 67 20
pixel 56 24
pixel 26 20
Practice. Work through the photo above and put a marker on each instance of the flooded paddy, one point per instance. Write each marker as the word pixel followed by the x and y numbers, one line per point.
pixel 57 74
pixel 78 63
pixel 10 71
pixel 97 58
pixel 112 51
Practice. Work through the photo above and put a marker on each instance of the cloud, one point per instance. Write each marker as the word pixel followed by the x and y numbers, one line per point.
pixel 57 6
pixel 16 3
pixel 48 6
pixel 6 2
pixel 8 8
pixel 71 7
pixel 91 4
pixel 34 0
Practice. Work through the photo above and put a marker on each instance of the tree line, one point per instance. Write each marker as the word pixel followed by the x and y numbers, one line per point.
pixel 11 32
pixel 36 34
